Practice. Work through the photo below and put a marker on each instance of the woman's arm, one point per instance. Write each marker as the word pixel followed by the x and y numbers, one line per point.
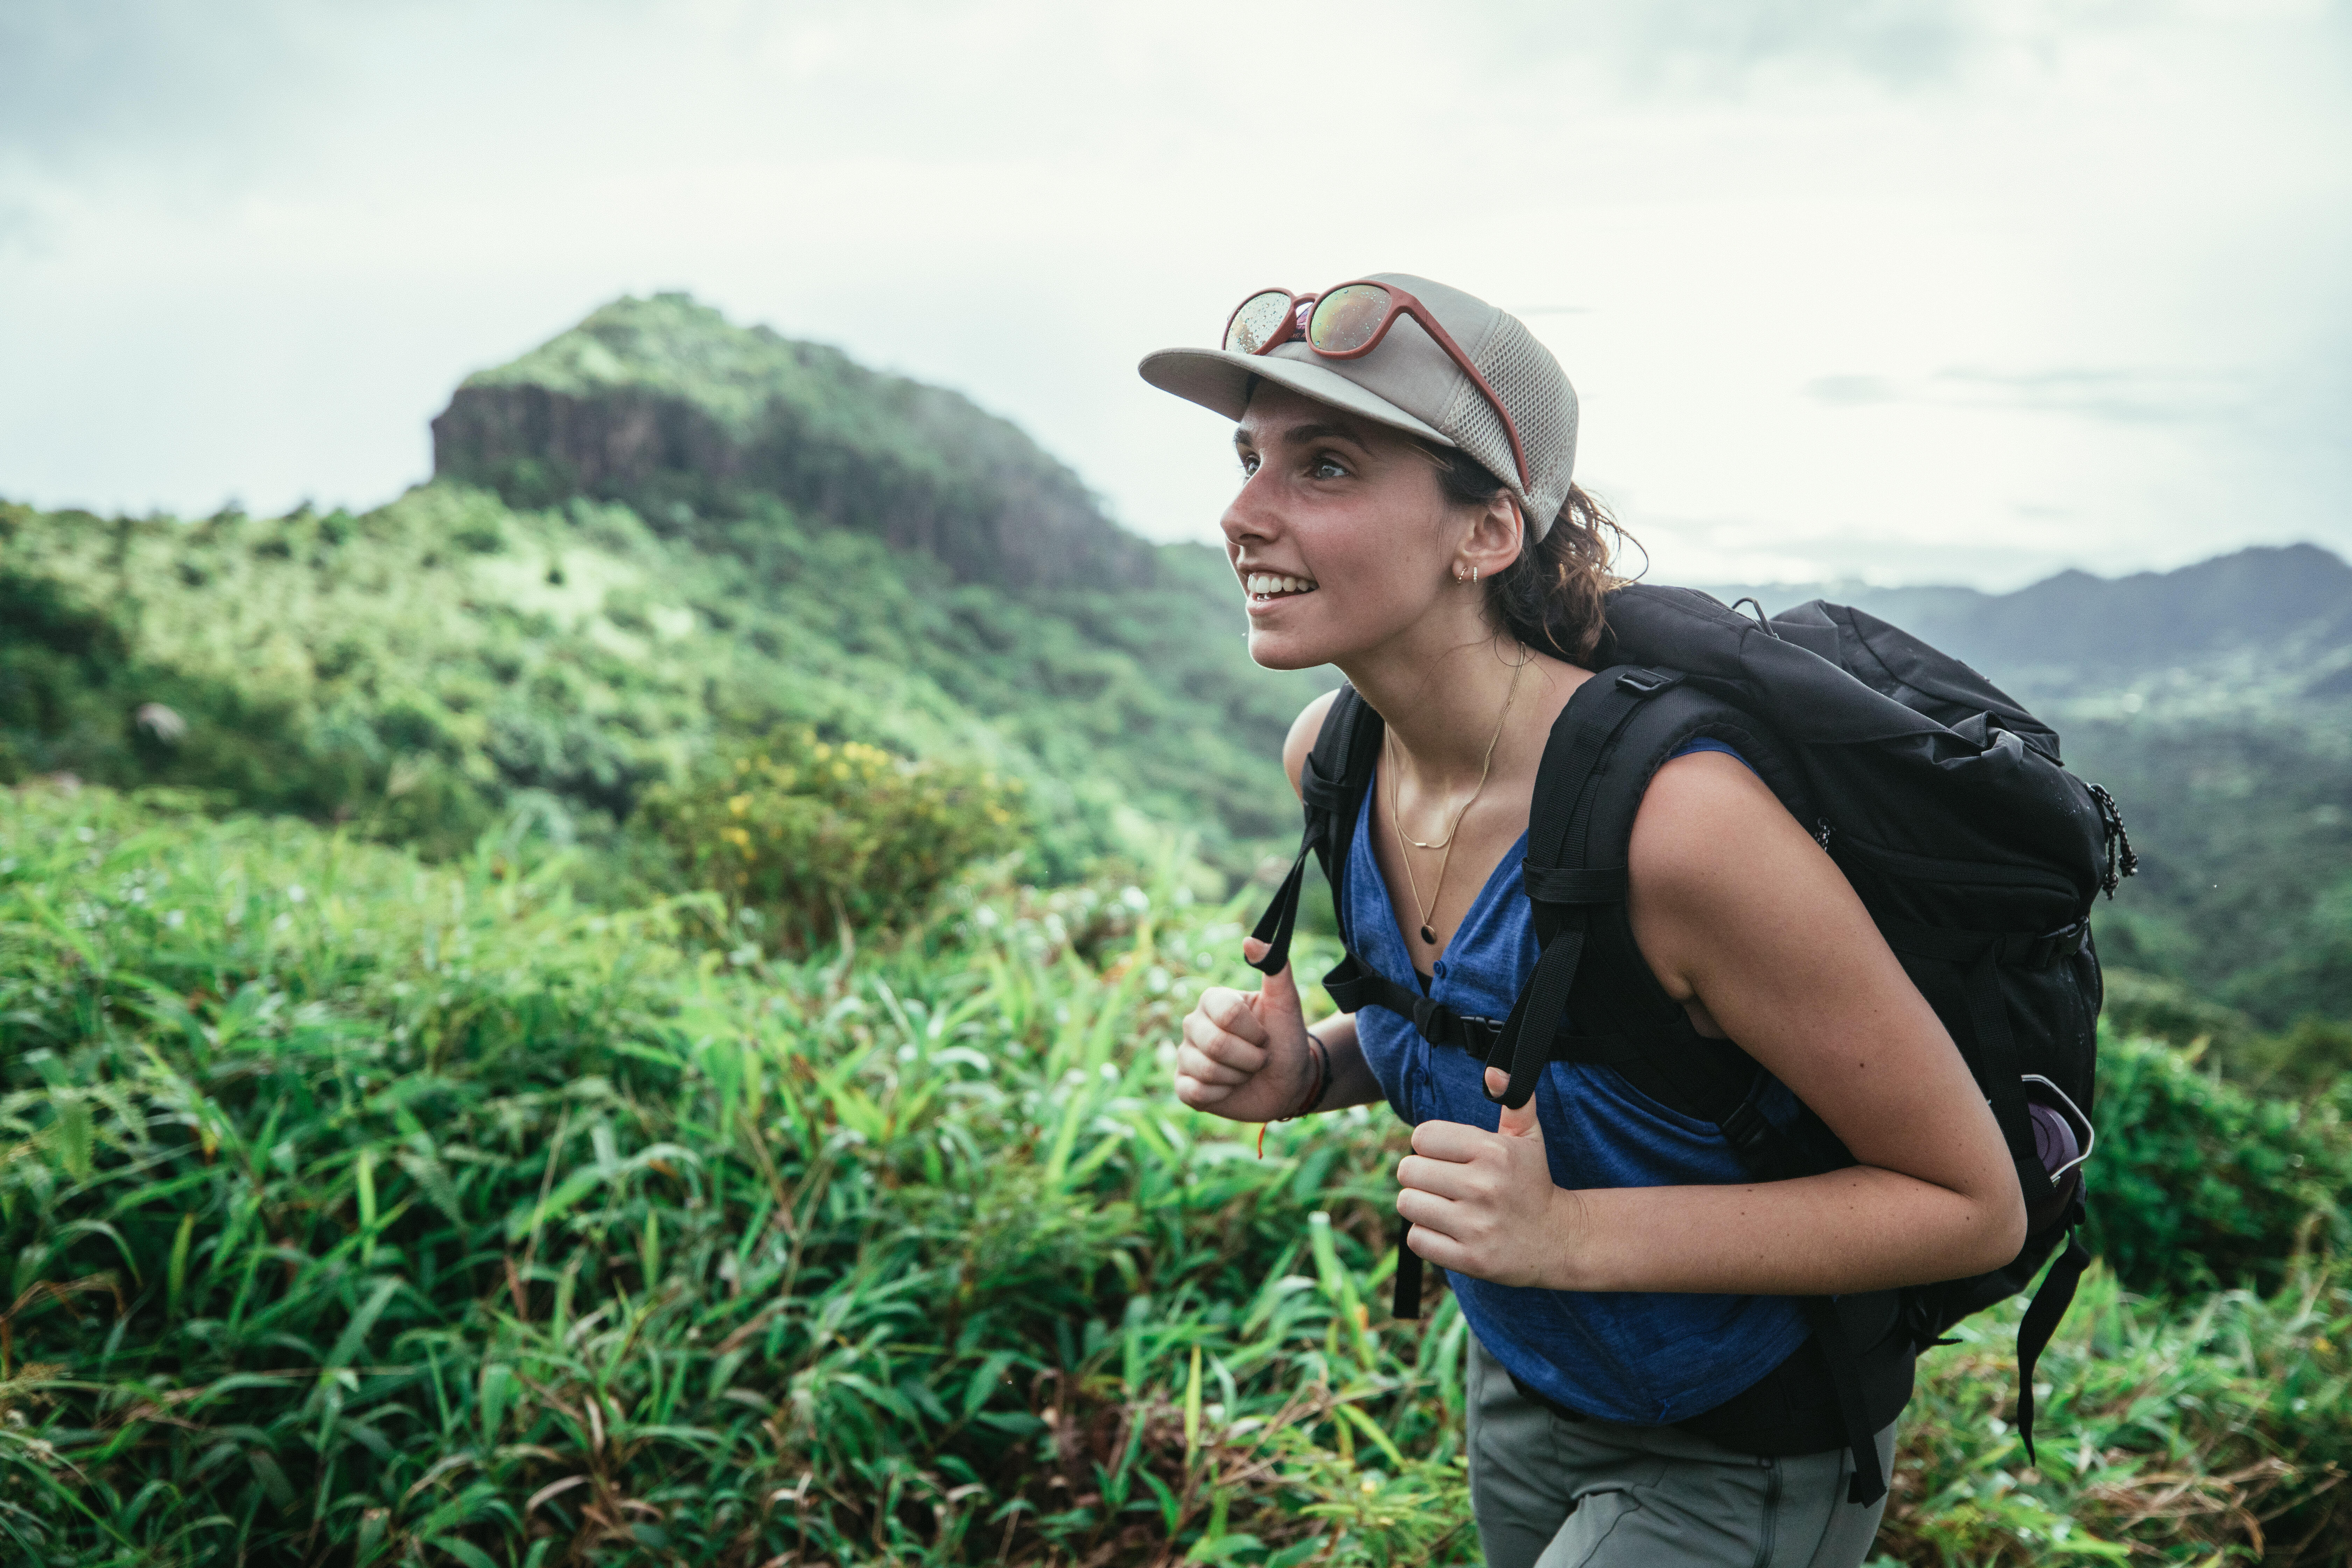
pixel 1746 921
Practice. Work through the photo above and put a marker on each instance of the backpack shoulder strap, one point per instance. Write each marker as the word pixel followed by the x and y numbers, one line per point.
pixel 1617 730
pixel 1331 787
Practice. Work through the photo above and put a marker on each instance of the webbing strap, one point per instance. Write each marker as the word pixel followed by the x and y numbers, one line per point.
pixel 2041 1321
pixel 1354 986
pixel 1559 821
pixel 1281 917
pixel 1545 997
pixel 2023 949
pixel 1405 1301
pixel 1844 1358
pixel 1330 780
pixel 2003 1082
pixel 1771 1155
pixel 1573 884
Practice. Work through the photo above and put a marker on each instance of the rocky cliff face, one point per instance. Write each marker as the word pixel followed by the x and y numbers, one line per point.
pixel 661 403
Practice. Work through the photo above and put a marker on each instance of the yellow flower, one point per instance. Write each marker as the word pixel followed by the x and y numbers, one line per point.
pixel 737 836
pixel 739 803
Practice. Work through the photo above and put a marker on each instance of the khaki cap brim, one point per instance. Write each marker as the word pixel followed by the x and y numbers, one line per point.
pixel 1218 379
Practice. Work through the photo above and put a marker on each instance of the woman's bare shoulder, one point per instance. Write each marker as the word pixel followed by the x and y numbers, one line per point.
pixel 1303 731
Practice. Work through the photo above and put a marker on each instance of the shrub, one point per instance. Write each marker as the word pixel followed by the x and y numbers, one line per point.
pixel 809 835
pixel 2205 1433
pixel 2198 1179
pixel 2305 1059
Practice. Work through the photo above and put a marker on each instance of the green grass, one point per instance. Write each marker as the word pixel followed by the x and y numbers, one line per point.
pixel 366 1211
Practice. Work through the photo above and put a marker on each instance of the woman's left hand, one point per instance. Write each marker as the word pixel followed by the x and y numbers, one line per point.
pixel 1482 1204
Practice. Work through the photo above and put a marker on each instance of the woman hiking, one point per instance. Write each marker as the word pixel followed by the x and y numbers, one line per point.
pixel 1643 1385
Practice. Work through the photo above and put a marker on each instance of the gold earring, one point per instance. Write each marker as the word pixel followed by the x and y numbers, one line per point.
pixel 1474 577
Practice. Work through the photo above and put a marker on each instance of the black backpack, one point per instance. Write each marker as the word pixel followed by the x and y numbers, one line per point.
pixel 1947 806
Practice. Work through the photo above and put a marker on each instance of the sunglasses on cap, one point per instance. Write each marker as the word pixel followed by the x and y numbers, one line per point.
pixel 1349 322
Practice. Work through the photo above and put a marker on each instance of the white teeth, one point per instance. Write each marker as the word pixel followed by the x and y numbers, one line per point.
pixel 1268 583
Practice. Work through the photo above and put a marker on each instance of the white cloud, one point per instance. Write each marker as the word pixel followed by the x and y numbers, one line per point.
pixel 252 254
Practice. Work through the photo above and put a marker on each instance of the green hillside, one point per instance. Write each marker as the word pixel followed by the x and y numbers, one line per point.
pixel 457 656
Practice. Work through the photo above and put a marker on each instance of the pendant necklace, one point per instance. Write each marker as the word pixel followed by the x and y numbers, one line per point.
pixel 1421 911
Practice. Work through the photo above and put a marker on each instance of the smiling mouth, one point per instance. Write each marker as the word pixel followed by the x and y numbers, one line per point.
pixel 1264 587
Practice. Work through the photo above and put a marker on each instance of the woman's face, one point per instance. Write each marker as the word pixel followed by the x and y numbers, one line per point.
pixel 1341 534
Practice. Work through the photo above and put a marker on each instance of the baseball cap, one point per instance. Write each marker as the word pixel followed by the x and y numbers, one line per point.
pixel 1410 383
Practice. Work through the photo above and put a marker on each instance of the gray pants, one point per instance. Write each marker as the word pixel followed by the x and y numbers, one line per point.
pixel 1554 1493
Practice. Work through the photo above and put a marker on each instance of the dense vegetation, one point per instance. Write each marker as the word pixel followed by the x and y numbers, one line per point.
pixel 364 1211
pixel 439 663
pixel 564 1057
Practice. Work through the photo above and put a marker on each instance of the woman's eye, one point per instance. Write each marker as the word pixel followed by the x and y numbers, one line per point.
pixel 1249 463
pixel 1328 467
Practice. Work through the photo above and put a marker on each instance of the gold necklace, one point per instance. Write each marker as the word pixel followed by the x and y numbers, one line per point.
pixel 1422 911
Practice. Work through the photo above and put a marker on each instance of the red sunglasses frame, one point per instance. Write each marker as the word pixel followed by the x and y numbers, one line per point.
pixel 1298 320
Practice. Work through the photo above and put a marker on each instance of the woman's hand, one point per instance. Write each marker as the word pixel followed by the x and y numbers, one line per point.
pixel 1482 1204
pixel 1244 1054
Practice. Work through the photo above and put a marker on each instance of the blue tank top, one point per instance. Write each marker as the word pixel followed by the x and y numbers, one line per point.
pixel 1647 1358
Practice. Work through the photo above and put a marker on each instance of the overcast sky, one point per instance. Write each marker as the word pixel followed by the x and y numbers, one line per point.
pixel 1911 289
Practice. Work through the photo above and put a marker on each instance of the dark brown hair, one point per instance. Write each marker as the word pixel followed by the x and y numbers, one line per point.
pixel 1550 597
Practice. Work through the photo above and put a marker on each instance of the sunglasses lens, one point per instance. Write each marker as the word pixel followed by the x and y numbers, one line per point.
pixel 1345 320
pixel 1255 323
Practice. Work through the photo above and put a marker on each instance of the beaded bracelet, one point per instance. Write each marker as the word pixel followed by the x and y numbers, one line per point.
pixel 1322 1055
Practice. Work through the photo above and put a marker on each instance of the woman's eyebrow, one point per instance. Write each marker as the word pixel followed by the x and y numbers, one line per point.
pixel 1301 434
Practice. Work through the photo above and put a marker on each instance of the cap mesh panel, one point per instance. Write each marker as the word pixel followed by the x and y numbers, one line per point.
pixel 1528 381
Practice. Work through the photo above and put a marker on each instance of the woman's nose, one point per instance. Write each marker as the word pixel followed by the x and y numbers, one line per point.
pixel 1250 516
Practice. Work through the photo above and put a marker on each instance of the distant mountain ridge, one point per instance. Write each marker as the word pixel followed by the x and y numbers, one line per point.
pixel 2291 604
pixel 665 404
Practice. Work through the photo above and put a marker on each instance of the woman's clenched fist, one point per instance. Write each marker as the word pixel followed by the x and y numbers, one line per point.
pixel 1244 1053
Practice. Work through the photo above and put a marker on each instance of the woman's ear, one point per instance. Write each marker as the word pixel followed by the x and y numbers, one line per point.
pixel 1496 539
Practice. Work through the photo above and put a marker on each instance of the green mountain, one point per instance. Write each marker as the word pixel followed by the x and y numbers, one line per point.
pixel 661 404
pixel 655 532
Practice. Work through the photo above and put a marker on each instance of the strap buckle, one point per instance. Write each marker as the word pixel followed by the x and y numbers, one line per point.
pixel 1647 682
pixel 2042 952
pixel 1442 1025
